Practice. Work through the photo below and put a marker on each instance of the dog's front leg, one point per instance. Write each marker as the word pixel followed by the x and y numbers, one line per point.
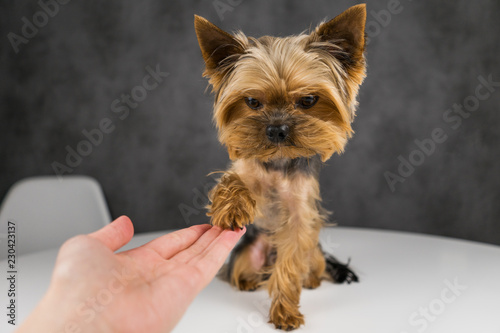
pixel 294 242
pixel 231 203
pixel 285 282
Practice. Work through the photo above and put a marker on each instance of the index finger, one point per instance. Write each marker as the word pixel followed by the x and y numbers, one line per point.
pixel 211 260
pixel 170 244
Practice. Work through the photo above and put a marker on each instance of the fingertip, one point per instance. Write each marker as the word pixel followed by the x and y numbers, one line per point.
pixel 126 224
pixel 116 234
pixel 236 234
pixel 240 231
pixel 122 218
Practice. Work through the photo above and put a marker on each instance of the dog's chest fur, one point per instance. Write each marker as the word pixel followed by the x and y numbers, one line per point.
pixel 283 189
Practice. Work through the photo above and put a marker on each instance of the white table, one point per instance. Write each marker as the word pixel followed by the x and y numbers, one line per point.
pixel 408 283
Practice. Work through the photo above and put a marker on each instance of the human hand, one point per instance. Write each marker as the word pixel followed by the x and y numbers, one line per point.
pixel 145 289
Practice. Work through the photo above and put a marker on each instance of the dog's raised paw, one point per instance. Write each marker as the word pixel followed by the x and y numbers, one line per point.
pixel 232 203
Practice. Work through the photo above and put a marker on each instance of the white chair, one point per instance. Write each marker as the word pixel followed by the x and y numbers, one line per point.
pixel 47 211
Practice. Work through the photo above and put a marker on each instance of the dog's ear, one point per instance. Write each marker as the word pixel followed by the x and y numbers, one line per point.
pixel 219 48
pixel 345 33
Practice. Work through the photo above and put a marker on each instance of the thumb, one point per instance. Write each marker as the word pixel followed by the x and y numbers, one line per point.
pixel 116 234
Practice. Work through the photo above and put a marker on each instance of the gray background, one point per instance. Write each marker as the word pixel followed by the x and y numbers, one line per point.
pixel 427 58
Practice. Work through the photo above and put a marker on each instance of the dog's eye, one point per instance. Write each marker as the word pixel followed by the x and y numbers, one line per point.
pixel 253 103
pixel 307 102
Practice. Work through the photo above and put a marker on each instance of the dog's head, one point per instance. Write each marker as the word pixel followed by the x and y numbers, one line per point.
pixel 286 97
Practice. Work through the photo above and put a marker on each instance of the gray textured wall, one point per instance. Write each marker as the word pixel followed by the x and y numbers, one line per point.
pixel 423 59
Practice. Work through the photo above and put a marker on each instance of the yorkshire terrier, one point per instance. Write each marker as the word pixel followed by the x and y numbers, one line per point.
pixel 282 107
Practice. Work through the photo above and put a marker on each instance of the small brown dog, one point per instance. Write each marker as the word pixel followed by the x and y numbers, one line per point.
pixel 282 107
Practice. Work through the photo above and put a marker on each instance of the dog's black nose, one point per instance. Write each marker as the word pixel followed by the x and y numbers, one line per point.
pixel 277 133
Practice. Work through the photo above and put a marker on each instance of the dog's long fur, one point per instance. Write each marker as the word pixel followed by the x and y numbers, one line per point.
pixel 274 185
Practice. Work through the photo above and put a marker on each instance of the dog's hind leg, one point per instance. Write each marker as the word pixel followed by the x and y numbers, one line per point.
pixel 317 266
pixel 244 269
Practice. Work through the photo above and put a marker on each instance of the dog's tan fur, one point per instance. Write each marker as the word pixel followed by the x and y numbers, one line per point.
pixel 328 63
